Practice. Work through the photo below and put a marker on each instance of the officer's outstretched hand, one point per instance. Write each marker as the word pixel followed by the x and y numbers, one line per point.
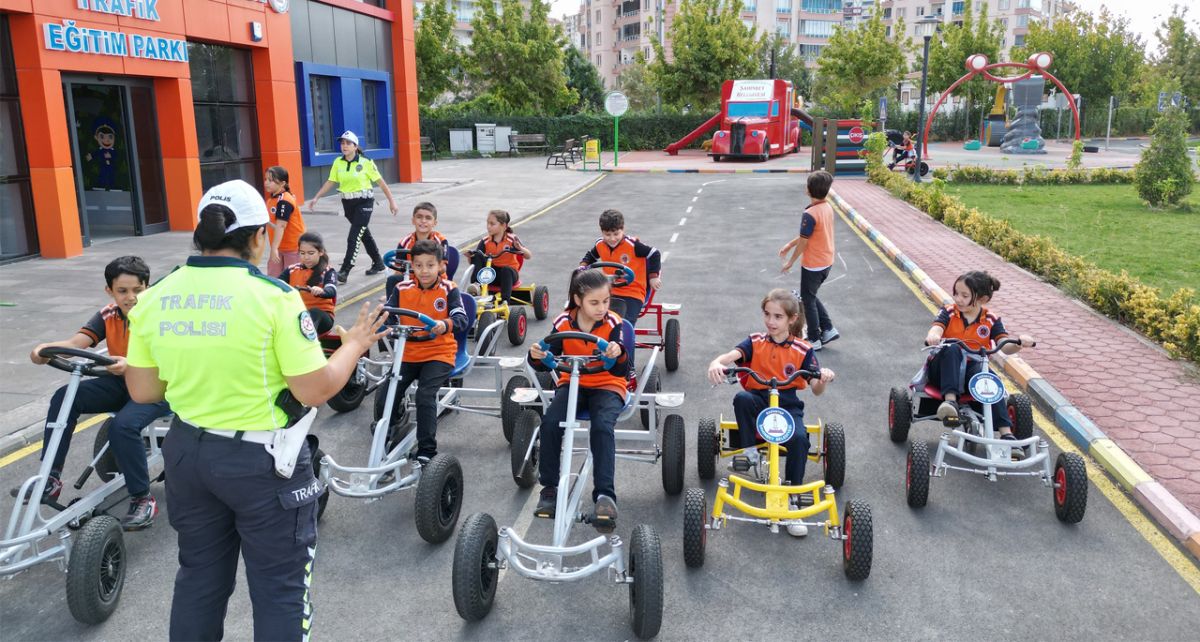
pixel 366 328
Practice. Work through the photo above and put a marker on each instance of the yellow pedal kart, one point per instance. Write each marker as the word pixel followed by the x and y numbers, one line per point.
pixel 491 306
pixel 775 427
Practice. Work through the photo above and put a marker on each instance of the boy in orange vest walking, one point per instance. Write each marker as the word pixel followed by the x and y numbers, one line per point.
pixel 815 250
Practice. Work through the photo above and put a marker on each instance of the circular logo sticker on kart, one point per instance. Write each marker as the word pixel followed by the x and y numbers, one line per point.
pixel 487 275
pixel 776 425
pixel 986 387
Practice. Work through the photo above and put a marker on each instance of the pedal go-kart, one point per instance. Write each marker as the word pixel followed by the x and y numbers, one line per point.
pixel 907 163
pixel 483 550
pixel 491 307
pixel 664 334
pixel 974 443
pixel 81 536
pixel 529 395
pixel 439 483
pixel 776 427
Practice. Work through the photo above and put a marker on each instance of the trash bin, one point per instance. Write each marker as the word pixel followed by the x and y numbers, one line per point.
pixel 502 134
pixel 460 141
pixel 485 138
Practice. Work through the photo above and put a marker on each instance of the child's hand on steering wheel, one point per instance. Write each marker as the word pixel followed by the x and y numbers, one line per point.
pixel 613 351
pixel 537 352
pixel 38 359
pixel 827 375
pixel 655 283
pixel 440 328
pixel 716 373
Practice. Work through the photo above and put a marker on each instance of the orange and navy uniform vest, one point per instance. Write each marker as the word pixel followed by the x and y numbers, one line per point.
pixel 297 276
pixel 440 301
pixel 407 242
pixel 609 329
pixel 769 359
pixel 981 333
pixel 509 240
pixel 109 324
pixel 643 259
pixel 282 206
pixel 817 227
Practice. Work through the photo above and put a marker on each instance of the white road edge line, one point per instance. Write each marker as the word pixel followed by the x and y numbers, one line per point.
pixel 674 237
pixel 666 254
pixel 695 198
pixel 689 209
pixel 683 220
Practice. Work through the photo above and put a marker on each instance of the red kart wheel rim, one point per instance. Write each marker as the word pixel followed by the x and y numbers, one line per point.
pixel 848 546
pixel 908 473
pixel 1060 486
pixel 545 300
pixel 1012 416
pixel 521 325
pixel 891 412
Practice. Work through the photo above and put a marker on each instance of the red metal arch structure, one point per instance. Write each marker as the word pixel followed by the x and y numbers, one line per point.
pixel 978 65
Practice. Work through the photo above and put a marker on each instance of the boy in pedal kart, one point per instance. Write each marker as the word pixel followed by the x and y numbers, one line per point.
pixel 903 151
pixel 127 277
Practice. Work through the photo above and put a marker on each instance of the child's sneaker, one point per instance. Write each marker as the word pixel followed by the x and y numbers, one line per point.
pixel 604 517
pixel 547 503
pixel 1017 453
pixel 948 413
pixel 51 492
pixel 816 345
pixel 829 336
pixel 142 511
pixel 796 530
pixel 473 289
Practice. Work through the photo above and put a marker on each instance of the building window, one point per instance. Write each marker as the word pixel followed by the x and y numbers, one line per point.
pixel 597 15
pixel 784 28
pixel 956 8
pixel 631 31
pixel 905 97
pixel 750 7
pixel 821 6
pixel 372 96
pixel 598 61
pixel 1023 4
pixel 888 31
pixel 1004 5
pixel 811 52
pixel 596 40
pixel 1023 20
pixel 321 89
pixel 920 11
pixel 887 13
pixel 18 230
pixel 783 6
pixel 1019 40
pixel 901 12
pixel 818 28
pixel 226 116
pixel 336 99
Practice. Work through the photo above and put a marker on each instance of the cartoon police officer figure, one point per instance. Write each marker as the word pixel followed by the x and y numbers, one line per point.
pixel 106 155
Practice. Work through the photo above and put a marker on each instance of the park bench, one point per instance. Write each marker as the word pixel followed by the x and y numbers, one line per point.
pixel 428 146
pixel 564 157
pixel 522 142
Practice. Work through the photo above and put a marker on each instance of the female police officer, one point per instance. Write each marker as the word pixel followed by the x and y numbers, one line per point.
pixel 221 341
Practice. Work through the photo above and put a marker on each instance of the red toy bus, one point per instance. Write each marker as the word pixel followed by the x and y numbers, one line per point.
pixel 757 120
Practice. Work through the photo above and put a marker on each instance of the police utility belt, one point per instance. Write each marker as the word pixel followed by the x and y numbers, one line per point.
pixel 364 193
pixel 284 444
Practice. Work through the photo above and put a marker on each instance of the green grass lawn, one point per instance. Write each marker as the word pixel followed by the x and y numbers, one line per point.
pixel 1105 224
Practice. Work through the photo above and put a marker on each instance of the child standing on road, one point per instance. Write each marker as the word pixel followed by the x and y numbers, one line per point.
pixel 316 281
pixel 815 245
pixel 424 219
pixel 429 363
pixel 286 222
pixel 968 321
pixel 615 247
pixel 499 239
pixel 776 353
pixel 127 277
pixel 602 393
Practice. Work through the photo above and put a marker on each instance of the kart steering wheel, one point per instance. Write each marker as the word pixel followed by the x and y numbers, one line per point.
pixel 426 321
pixel 397 259
pixel 93 365
pixel 557 362
pixel 772 382
pixel 622 278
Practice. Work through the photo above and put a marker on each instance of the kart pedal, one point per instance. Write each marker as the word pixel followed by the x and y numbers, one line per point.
pixel 741 463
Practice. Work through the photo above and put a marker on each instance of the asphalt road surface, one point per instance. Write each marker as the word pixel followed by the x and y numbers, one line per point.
pixel 982 559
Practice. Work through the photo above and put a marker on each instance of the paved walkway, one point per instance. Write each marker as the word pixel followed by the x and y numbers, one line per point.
pixel 1146 402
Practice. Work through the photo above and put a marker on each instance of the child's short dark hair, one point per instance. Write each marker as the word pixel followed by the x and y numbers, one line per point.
pixel 131 265
pixel 427 206
pixel 428 246
pixel 611 221
pixel 819 183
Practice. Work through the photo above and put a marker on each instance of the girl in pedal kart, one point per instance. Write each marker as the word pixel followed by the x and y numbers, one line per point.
pixel 602 394
pixel 315 279
pixel 777 353
pixel 500 238
pixel 971 323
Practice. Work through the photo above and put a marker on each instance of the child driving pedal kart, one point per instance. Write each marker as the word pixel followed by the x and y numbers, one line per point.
pixel 614 246
pixel 602 393
pixel 777 353
pixel 127 277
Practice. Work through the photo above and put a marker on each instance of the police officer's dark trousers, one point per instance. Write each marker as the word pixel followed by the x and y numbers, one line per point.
pixel 226 499
pixel 358 212
pixel 746 406
pixel 603 407
pixel 949 369
pixel 109 394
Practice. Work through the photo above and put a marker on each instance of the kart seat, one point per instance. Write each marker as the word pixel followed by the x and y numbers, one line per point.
pixel 452 259
pixel 627 342
pixel 461 359
pixel 936 394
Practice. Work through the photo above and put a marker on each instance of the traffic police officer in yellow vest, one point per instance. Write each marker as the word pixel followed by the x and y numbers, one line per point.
pixel 353 175
pixel 236 355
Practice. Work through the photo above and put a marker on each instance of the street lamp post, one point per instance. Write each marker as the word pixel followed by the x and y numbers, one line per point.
pixel 921 109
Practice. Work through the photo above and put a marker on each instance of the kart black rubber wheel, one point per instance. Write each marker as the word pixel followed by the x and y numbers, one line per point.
pixel 485 319
pixel 924 168
pixel 916 476
pixel 646 589
pixel 899 415
pixel 858 546
pixel 106 467
pixel 524 472
pixel 909 169
pixel 708 447
pixel 96 572
pixel 674 445
pixel 834 455
pixel 541 302
pixel 1020 415
pixel 509 409
pixel 317 456
pixel 547 380
pixel 653 385
pixel 1070 488
pixel 695 536
pixel 671 344
pixel 475 573
pixel 439 498
pixel 516 324
pixel 349 398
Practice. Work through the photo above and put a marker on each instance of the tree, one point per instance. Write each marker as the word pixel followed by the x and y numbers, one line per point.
pixel 634 82
pixel 1095 55
pixel 439 56
pixel 1178 56
pixel 948 52
pixel 1164 174
pixel 788 63
pixel 584 79
pixel 710 44
pixel 859 62
pixel 517 61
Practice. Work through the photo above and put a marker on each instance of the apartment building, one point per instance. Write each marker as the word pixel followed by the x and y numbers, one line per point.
pixel 610 33
pixel 463 11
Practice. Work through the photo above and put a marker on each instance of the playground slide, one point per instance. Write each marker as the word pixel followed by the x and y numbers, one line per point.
pixel 805 118
pixel 673 148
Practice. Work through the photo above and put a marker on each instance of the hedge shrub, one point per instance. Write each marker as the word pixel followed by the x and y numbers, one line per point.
pixel 1033 176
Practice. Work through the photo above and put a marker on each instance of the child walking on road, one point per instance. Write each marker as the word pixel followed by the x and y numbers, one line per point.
pixel 815 250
